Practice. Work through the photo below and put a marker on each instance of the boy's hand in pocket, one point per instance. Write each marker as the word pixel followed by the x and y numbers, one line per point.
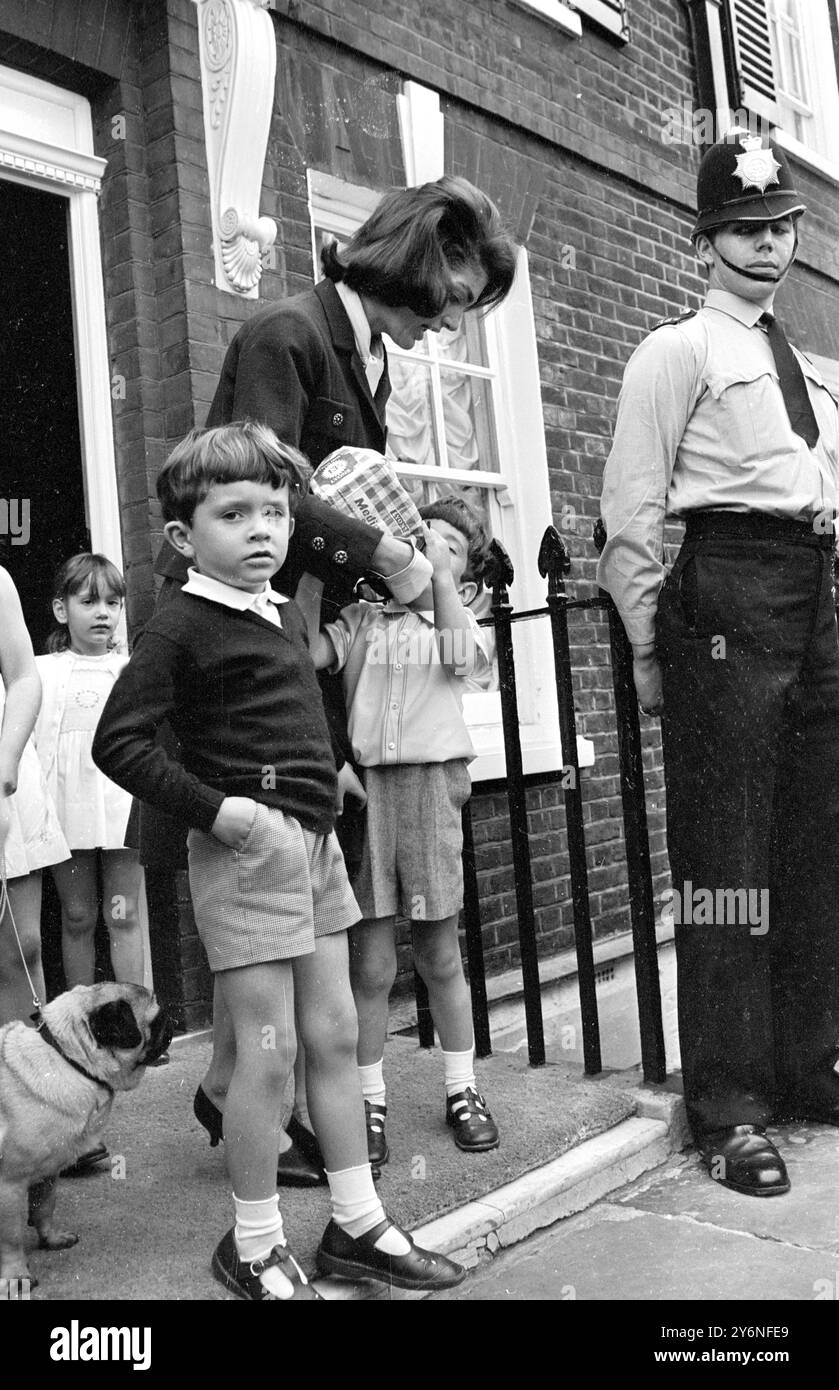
pixel 233 823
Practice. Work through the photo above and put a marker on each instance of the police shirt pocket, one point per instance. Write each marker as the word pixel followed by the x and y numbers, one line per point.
pixel 332 419
pixel 824 403
pixel 747 406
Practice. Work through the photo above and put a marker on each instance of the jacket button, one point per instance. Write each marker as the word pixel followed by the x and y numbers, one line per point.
pixel 337 418
pixel 317 542
pixel 340 557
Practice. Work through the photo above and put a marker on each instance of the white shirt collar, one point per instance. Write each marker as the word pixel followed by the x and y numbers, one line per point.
pixel 743 310
pixel 203 586
pixel 358 322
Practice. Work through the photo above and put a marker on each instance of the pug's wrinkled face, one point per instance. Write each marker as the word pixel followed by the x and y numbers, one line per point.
pixel 120 1028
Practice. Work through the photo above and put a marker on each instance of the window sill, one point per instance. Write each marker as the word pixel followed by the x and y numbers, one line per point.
pixel 818 162
pixel 555 13
pixel 541 748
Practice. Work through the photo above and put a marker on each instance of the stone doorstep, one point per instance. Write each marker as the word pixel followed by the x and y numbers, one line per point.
pixel 564 1187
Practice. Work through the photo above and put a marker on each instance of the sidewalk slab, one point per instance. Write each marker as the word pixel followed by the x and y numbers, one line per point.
pixel 622 1254
pixel 150 1219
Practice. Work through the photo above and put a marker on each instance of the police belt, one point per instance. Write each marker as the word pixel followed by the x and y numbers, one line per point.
pixel 760 526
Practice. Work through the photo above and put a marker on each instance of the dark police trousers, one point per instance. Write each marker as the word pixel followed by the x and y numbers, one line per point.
pixel 747 637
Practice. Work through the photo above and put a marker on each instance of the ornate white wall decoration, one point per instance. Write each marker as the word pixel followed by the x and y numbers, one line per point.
pixel 238 66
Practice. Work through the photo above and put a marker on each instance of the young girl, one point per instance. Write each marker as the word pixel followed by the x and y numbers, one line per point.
pixel 30 836
pixel 77 676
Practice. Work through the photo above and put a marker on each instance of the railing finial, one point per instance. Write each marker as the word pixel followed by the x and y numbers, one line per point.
pixel 498 570
pixel 553 560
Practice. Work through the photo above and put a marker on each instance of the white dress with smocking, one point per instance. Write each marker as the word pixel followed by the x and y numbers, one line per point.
pixel 92 809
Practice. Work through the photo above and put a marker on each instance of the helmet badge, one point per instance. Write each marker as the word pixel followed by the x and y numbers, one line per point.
pixel 758 167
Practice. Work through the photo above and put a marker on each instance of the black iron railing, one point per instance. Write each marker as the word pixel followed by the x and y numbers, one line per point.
pixel 554 564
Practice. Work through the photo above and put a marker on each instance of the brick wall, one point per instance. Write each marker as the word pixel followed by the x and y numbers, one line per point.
pixel 565 134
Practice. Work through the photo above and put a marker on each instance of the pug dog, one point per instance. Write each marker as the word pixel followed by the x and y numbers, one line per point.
pixel 57 1085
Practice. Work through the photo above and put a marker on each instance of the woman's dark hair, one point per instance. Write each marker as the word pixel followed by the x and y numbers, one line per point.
pixel 243 451
pixel 84 573
pixel 407 251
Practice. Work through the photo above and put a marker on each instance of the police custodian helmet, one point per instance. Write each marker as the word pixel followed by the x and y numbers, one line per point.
pixel 743 179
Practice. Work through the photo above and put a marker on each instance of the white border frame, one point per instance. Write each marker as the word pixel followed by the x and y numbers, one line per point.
pixel 46 140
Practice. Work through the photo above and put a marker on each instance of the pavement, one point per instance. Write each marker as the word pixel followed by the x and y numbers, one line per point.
pixel 674 1235
pixel 149 1218
pixel 592 1197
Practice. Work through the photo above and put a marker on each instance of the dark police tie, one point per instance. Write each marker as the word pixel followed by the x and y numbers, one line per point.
pixel 791 380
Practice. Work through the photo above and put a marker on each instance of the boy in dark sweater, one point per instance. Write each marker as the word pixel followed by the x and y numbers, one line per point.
pixel 227 663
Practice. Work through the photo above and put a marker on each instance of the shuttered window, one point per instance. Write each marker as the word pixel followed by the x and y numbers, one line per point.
pixel 752 43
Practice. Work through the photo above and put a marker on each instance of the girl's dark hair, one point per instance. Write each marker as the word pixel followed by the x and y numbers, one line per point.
pixel 463 517
pixel 407 251
pixel 81 574
pixel 240 452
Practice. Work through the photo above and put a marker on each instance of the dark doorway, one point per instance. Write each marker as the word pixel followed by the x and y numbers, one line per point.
pixel 41 481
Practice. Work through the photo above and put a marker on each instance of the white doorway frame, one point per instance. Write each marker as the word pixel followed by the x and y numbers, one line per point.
pixel 46 141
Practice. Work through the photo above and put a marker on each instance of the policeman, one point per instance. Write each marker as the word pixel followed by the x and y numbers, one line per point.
pixel 725 425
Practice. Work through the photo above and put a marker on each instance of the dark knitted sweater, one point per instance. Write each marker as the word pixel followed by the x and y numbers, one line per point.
pixel 242 697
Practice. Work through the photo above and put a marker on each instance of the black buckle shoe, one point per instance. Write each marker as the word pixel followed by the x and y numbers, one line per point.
pixel 742 1158
pixel 304 1140
pixel 357 1258
pixel 241 1277
pixel 295 1170
pixel 377 1147
pixel 208 1114
pixel 475 1130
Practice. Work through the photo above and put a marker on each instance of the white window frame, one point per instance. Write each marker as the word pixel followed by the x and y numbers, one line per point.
pixel 823 81
pixel 511 346
pixel 555 12
pixel 46 141
pixel 613 21
pixel 822 77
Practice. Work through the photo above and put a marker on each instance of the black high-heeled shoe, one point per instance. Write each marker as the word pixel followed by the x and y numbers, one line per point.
pixel 208 1115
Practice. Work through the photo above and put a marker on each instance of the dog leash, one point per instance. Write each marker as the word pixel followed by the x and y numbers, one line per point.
pixel 6 906
pixel 37 1017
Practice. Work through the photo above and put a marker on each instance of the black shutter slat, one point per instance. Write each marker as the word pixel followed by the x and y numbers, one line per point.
pixel 753 47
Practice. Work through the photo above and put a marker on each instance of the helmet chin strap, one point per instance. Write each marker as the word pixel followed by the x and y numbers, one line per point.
pixel 768 277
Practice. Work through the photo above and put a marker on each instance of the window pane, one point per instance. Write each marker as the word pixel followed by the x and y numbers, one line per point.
pixel 468 420
pixel 468 344
pixel 410 412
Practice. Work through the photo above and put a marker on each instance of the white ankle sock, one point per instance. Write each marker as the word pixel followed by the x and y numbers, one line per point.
pixel 372 1082
pixel 259 1227
pixel 357 1209
pixel 459 1070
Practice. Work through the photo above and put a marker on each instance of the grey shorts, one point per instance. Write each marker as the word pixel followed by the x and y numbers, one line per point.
pixel 413 840
pixel 270 899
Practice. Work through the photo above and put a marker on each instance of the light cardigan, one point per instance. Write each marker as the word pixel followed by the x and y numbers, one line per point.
pixel 55 670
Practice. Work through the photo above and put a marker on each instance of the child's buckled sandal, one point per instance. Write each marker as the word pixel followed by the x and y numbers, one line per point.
pixel 377 1148
pixel 241 1277
pixel 475 1130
